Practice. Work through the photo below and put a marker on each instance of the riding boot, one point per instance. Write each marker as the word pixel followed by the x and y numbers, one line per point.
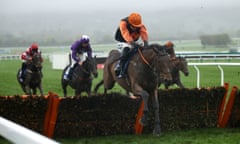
pixel 70 73
pixel 22 71
pixel 123 61
pixel 66 74
pixel 117 69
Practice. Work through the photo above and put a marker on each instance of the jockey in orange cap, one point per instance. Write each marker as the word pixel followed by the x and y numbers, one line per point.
pixel 130 30
pixel 27 57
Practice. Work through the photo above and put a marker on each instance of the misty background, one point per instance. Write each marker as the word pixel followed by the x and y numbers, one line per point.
pixel 61 22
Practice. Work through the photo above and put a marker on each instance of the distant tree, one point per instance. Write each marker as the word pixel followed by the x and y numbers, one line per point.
pixel 238 33
pixel 215 40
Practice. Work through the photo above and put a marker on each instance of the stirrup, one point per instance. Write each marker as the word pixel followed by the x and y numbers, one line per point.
pixel 21 80
pixel 121 75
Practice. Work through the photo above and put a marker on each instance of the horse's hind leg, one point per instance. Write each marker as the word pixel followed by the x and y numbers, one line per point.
pixel 64 87
pixel 34 91
pixel 97 86
pixel 78 92
pixel 157 129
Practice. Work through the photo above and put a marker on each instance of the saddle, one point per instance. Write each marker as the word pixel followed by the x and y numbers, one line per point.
pixel 122 65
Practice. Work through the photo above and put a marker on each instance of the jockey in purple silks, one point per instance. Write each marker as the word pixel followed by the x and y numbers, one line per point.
pixel 78 49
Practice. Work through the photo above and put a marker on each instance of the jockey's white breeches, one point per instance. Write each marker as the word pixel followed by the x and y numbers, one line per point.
pixel 82 58
pixel 122 45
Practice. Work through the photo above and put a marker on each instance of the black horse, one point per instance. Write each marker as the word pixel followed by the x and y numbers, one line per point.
pixel 178 64
pixel 81 79
pixel 32 76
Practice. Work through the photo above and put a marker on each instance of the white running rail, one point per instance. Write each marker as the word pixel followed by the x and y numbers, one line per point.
pixel 211 64
pixel 21 135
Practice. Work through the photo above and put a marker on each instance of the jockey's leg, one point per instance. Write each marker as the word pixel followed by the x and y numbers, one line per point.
pixel 24 65
pixel 69 72
pixel 123 60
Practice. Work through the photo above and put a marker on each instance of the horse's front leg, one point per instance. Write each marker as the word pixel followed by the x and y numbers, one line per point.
pixel 145 96
pixel 179 83
pixel 28 90
pixel 40 89
pixel 89 93
pixel 27 82
pixel 166 86
pixel 157 128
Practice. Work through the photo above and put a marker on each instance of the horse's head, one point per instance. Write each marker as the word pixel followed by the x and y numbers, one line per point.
pixel 162 62
pixel 182 65
pixel 36 62
pixel 91 65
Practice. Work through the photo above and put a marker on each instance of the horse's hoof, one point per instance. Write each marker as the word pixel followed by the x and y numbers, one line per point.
pixel 157 132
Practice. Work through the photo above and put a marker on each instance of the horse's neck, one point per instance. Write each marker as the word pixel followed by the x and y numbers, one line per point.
pixel 175 62
pixel 147 56
pixel 82 70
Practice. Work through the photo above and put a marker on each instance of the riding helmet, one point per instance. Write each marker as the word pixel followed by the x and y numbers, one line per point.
pixel 85 39
pixel 135 19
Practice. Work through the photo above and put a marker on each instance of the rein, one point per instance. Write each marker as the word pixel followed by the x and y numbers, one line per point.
pixel 143 58
pixel 84 70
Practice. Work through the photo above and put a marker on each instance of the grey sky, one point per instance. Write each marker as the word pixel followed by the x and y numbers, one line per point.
pixel 22 6
pixel 163 18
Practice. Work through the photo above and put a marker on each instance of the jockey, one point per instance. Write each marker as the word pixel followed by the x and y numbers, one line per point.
pixel 27 57
pixel 169 46
pixel 130 30
pixel 77 54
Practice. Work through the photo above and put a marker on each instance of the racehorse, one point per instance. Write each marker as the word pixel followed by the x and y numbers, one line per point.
pixel 81 79
pixel 143 71
pixel 32 76
pixel 178 64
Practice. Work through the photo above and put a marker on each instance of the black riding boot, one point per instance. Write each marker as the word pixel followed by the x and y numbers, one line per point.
pixel 123 61
pixel 70 73
pixel 22 71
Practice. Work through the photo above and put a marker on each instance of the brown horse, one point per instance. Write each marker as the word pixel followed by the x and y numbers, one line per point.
pixel 178 64
pixel 144 69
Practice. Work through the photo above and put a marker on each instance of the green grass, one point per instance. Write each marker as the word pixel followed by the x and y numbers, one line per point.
pixel 195 136
pixel 209 77
pixel 192 136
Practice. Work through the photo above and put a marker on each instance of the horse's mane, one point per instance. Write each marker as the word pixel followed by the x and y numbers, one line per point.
pixel 159 49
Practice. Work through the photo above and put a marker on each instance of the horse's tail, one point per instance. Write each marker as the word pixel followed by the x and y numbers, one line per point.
pixel 97 86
